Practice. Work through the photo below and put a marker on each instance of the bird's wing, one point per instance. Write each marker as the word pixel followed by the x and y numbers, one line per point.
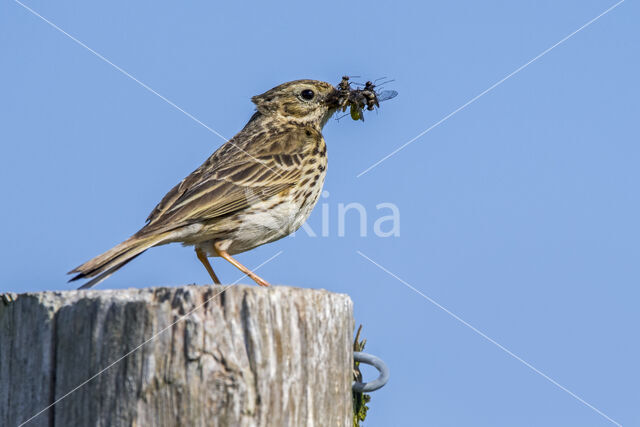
pixel 229 181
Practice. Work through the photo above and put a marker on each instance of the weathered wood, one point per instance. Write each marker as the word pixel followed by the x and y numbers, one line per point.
pixel 248 357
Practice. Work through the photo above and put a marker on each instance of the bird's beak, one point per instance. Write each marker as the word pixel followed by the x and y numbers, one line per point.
pixel 334 99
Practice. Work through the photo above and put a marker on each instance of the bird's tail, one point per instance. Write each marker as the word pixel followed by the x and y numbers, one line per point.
pixel 115 258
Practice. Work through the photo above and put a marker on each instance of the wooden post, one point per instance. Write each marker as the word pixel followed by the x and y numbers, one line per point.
pixel 248 356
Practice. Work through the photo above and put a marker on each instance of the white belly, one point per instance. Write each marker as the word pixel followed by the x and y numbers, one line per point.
pixel 266 223
pixel 263 225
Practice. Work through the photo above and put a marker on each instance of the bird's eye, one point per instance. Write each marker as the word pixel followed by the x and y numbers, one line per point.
pixel 307 94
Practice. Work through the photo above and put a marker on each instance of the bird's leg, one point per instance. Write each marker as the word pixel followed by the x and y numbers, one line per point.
pixel 224 254
pixel 202 256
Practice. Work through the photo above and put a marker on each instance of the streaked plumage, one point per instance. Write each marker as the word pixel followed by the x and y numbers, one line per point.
pixel 256 188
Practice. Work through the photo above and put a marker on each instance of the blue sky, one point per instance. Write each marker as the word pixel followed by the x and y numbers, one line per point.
pixel 519 213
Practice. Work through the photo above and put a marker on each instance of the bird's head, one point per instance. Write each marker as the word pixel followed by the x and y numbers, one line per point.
pixel 303 101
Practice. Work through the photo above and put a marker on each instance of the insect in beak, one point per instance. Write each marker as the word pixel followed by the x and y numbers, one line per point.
pixel 359 99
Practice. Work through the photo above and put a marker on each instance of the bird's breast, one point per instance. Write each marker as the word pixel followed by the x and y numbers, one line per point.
pixel 282 214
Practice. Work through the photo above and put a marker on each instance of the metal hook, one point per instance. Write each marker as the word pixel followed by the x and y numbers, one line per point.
pixel 370 359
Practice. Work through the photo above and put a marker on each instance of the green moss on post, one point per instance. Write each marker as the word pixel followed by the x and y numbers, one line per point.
pixel 360 400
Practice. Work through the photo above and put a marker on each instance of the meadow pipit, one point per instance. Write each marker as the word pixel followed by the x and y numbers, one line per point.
pixel 258 187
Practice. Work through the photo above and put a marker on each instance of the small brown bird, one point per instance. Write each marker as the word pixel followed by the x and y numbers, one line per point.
pixel 258 187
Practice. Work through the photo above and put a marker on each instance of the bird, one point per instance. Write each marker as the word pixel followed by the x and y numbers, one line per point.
pixel 259 186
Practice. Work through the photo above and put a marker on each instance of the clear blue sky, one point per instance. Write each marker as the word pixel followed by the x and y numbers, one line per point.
pixel 519 214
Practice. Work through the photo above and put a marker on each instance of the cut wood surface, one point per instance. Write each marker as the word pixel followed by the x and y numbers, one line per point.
pixel 248 356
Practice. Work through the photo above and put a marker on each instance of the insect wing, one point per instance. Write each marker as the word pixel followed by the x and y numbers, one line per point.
pixel 386 95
